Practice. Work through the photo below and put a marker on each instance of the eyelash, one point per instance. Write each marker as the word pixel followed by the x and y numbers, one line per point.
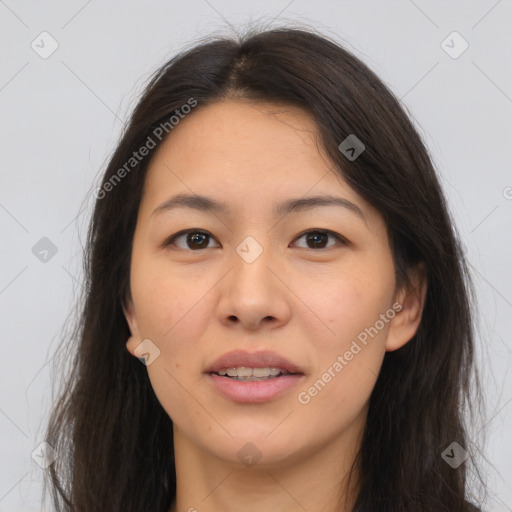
pixel 341 240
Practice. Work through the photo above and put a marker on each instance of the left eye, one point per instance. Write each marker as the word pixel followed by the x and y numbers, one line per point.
pixel 197 239
pixel 318 236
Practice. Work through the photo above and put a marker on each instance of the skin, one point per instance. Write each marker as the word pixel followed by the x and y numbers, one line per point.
pixel 306 303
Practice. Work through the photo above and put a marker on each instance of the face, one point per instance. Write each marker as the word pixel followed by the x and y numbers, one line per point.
pixel 314 284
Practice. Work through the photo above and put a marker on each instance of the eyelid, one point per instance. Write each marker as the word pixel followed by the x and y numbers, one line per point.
pixel 341 239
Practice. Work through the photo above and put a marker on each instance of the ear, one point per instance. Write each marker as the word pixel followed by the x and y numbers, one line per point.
pixel 131 317
pixel 411 296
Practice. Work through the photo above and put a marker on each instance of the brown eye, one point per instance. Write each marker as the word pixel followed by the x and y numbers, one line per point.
pixel 194 239
pixel 318 238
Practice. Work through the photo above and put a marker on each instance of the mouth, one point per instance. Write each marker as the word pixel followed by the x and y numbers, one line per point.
pixel 248 374
pixel 253 378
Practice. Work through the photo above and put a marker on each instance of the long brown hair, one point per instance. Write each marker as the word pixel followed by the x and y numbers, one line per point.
pixel 113 436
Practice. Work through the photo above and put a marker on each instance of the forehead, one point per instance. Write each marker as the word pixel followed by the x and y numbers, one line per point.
pixel 241 142
pixel 242 132
pixel 255 153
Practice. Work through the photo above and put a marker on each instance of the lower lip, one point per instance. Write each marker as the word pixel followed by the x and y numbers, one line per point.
pixel 254 391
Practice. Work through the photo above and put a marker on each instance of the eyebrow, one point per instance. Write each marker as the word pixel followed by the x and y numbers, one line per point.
pixel 207 204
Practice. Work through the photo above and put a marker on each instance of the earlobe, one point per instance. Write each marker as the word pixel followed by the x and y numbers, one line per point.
pixel 131 345
pixel 405 324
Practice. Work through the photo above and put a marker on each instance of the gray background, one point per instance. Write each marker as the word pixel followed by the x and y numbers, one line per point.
pixel 61 117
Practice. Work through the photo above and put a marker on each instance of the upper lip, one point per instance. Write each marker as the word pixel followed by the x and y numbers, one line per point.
pixel 262 359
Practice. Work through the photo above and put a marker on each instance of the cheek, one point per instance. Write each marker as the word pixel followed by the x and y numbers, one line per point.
pixel 169 304
pixel 352 304
pixel 351 351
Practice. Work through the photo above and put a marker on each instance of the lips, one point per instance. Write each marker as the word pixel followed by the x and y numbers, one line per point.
pixel 262 359
pixel 259 390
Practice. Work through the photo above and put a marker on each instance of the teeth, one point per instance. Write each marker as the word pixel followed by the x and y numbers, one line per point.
pixel 244 372
pixel 265 372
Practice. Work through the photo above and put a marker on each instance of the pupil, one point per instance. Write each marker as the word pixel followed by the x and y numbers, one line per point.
pixel 315 236
pixel 195 236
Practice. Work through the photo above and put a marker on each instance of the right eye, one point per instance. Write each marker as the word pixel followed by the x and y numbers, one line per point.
pixel 195 239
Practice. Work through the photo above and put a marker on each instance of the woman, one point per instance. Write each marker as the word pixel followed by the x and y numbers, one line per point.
pixel 271 241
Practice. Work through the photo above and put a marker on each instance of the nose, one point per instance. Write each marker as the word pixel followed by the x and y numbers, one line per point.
pixel 254 294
